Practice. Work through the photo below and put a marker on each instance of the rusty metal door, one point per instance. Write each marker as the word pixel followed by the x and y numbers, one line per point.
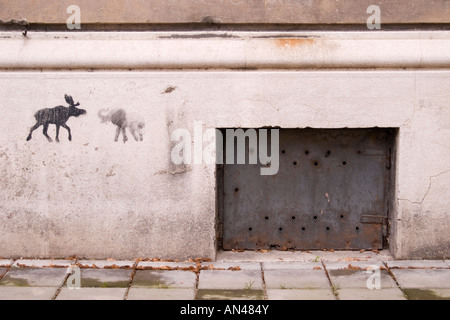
pixel 331 191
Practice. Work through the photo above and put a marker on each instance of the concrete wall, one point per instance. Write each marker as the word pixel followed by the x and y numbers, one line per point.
pixel 97 198
pixel 317 12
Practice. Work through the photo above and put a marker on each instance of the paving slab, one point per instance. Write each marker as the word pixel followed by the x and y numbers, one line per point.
pixel 366 294
pixel 300 294
pixel 231 280
pixel 34 277
pixel 296 279
pixel 233 265
pixel 416 264
pixel 5 262
pixel 92 294
pixel 353 256
pixel 265 255
pixel 349 278
pixel 335 265
pixel 164 279
pixel 105 278
pixel 427 294
pixel 422 278
pixel 304 256
pixel 165 265
pixel 230 294
pixel 27 293
pixel 35 263
pixel 161 294
pixel 291 265
pixel 106 264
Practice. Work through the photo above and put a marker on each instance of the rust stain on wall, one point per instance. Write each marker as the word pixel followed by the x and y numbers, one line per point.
pixel 291 43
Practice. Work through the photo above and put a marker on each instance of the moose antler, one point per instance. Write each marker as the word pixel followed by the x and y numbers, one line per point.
pixel 69 100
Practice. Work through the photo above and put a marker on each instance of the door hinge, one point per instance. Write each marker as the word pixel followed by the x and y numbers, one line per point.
pixel 372 219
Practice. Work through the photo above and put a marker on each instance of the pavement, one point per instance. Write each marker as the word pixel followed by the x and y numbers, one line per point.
pixel 272 275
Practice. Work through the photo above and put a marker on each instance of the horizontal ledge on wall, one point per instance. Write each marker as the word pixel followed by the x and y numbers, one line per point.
pixel 224 50
pixel 226 11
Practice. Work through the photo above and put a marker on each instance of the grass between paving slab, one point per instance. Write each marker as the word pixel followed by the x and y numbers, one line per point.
pixel 334 288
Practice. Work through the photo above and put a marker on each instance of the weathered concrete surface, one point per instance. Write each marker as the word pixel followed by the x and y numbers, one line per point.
pixel 423 278
pixel 422 220
pixel 295 276
pixel 315 256
pixel 34 277
pixel 163 279
pixel 245 282
pixel 92 294
pixel 96 198
pixel 32 263
pixel 424 284
pixel 350 279
pixel 160 294
pixel 426 281
pixel 5 262
pixel 417 264
pixel 106 264
pixel 99 199
pixel 231 276
pixel 101 278
pixel 300 294
pixel 356 281
pixel 229 294
pixel 27 293
pixel 165 265
pixel 365 294
pixel 427 294
pixel 226 11
pixel 224 50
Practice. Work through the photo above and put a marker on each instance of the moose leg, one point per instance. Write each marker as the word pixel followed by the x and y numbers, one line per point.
pixel 116 138
pixel 37 125
pixel 44 131
pixel 57 133
pixel 65 126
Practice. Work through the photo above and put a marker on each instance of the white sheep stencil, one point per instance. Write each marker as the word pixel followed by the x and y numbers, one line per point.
pixel 123 120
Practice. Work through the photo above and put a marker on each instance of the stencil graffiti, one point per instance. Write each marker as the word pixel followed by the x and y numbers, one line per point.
pixel 123 120
pixel 57 116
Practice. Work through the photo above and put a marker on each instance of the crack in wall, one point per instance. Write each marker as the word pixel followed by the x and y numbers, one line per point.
pixel 408 121
pixel 428 189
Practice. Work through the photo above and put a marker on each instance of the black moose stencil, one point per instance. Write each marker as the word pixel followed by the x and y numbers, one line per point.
pixel 123 120
pixel 57 116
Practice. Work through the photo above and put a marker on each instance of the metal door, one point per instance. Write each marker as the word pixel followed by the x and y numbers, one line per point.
pixel 331 191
